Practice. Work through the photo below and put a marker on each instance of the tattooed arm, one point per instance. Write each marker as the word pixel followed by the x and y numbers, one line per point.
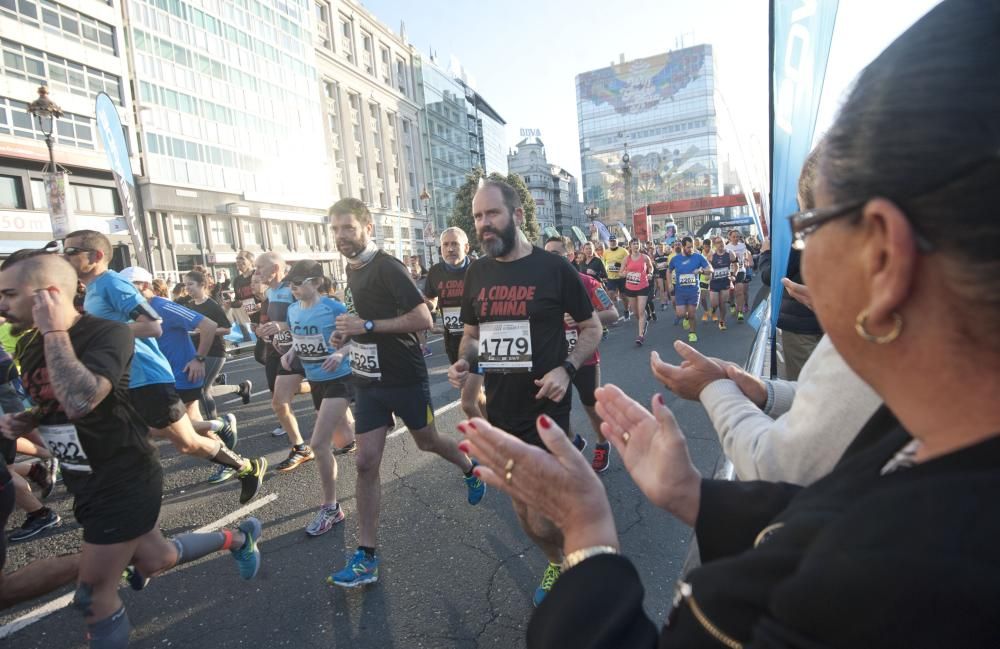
pixel 77 389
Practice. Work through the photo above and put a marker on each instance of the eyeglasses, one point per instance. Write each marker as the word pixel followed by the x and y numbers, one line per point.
pixel 300 282
pixel 806 222
pixel 74 250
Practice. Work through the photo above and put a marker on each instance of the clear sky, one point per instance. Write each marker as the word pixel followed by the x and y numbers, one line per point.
pixel 524 55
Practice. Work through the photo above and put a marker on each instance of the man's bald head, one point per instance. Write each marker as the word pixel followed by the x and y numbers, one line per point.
pixel 270 266
pixel 20 281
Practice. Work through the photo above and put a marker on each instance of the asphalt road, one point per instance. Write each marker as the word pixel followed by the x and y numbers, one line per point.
pixel 451 575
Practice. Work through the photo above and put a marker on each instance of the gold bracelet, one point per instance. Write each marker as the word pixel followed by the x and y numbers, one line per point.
pixel 582 554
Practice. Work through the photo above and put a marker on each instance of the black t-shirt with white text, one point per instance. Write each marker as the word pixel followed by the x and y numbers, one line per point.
pixel 211 310
pixel 108 446
pixel 506 300
pixel 380 290
pixel 446 284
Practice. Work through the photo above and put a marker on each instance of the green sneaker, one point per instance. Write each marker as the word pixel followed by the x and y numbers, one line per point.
pixel 221 474
pixel 687 324
pixel 692 337
pixel 552 573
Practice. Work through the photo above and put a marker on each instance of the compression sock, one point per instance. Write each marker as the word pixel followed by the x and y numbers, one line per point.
pixel 192 546
pixel 111 632
pixel 226 457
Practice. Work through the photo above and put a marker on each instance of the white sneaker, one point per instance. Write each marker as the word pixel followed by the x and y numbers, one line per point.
pixel 278 432
pixel 325 520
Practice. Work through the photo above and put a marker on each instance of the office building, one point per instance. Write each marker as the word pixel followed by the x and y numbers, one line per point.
pixel 557 203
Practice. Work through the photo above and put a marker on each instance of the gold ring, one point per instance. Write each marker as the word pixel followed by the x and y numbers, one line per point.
pixel 626 436
pixel 509 466
pixel 508 477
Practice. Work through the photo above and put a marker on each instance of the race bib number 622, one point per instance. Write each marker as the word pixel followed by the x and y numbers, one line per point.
pixel 505 346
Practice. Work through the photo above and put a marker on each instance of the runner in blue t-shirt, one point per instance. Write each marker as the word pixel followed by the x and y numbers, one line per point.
pixel 311 321
pixel 152 395
pixel 684 271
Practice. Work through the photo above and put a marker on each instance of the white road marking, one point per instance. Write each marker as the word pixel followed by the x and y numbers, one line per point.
pixel 42 611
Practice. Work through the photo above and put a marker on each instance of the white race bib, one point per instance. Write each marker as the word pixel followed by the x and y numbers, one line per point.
pixel 452 317
pixel 310 348
pixel 572 335
pixel 65 445
pixel 505 346
pixel 633 278
pixel 687 280
pixel 720 273
pixel 250 306
pixel 364 360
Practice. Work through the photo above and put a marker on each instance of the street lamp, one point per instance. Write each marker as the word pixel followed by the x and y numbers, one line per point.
pixel 627 179
pixel 46 112
pixel 425 199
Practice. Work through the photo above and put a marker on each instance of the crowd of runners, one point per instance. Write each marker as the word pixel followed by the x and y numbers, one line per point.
pixel 97 364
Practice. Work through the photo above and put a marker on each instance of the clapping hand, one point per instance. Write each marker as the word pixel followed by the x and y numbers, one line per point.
pixel 688 379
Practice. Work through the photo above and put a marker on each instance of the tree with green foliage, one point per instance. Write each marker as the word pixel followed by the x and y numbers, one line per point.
pixel 461 216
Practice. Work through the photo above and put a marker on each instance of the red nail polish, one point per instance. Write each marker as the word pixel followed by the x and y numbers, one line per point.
pixel 659 399
pixel 461 428
pixel 464 447
pixel 472 425
pixel 545 421
pixel 476 472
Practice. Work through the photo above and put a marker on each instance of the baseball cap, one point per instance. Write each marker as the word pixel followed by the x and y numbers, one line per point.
pixel 612 238
pixel 136 274
pixel 303 269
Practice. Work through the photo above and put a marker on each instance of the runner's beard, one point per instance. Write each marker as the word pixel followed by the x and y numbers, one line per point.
pixel 351 248
pixel 503 241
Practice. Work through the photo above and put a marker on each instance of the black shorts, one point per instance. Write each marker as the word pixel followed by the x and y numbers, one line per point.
pixel 530 435
pixel 661 274
pixel 7 496
pixel 615 284
pixel 374 405
pixel 333 389
pixel 525 429
pixel 188 395
pixel 451 344
pixel 741 277
pixel 717 286
pixel 642 292
pixel 158 405
pixel 123 512
pixel 586 381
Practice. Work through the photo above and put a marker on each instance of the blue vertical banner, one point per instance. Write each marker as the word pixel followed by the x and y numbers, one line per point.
pixel 109 125
pixel 801 33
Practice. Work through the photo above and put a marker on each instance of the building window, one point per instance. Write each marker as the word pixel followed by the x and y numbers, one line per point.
pixel 367 56
pixel 387 232
pixel 41 68
pixel 347 36
pixel 279 235
pixel 39 197
pixel 306 235
pixel 418 234
pixel 222 232
pixel 11 192
pixel 186 231
pixel 94 200
pixel 62 21
pixel 251 233
pixel 385 65
pixel 401 78
pixel 323 24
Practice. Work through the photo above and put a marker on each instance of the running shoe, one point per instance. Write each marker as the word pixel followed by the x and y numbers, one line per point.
pixel 229 433
pixel 739 317
pixel 604 333
pixel 278 432
pixel 295 458
pixel 344 450
pixel 627 316
pixel 251 478
pixel 221 379
pixel 652 315
pixel 221 474
pixel 43 474
pixel 692 337
pixel 34 525
pixel 552 573
pixel 602 456
pixel 134 580
pixel 639 341
pixel 246 389
pixel 732 308
pixel 476 487
pixel 715 314
pixel 687 325
pixel 360 570
pixel 722 326
pixel 704 316
pixel 663 307
pixel 580 443
pixel 248 555
pixel 326 518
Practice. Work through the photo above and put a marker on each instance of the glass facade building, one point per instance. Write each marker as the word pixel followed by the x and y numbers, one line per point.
pixel 663 108
pixel 212 71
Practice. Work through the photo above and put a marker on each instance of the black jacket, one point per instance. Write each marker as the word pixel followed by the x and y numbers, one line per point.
pixel 909 559
pixel 793 317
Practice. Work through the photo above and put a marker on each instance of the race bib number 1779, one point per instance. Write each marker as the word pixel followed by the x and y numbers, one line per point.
pixel 505 346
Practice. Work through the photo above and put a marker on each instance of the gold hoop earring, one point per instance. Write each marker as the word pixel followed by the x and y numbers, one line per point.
pixel 861 326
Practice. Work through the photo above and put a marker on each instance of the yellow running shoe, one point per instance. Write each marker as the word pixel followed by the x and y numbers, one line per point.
pixel 692 337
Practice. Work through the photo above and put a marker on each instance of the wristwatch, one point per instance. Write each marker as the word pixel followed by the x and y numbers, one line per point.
pixel 369 326
pixel 199 357
pixel 570 369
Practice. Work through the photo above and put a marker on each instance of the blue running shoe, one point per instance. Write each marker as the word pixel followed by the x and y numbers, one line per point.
pixel 552 573
pixel 477 488
pixel 248 556
pixel 359 571
pixel 229 433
